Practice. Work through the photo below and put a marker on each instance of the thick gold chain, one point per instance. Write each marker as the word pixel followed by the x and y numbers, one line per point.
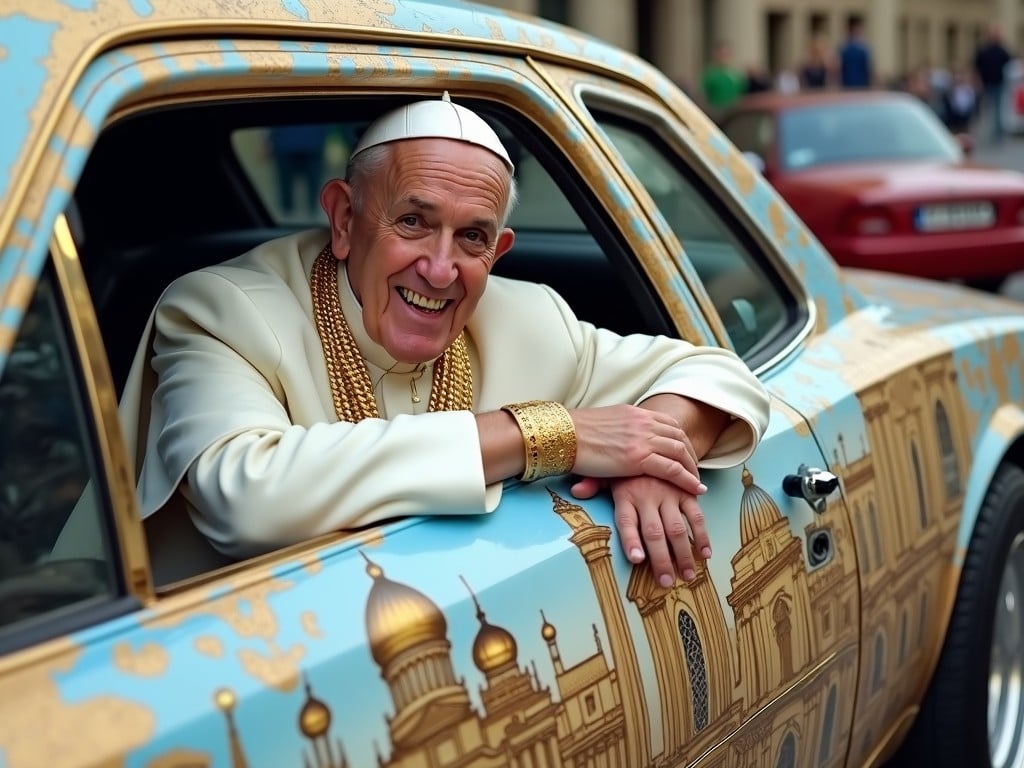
pixel 452 384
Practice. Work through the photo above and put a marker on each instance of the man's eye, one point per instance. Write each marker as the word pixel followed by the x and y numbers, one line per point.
pixel 410 221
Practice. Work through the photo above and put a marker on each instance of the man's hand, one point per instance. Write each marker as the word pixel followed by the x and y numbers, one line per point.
pixel 656 513
pixel 628 441
pixel 657 519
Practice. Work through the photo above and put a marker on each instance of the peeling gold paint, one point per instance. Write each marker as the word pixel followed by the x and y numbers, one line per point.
pixel 742 173
pixel 276 669
pixel 372 537
pixel 39 727
pixel 151 660
pixel 181 758
pixel 310 625
pixel 779 222
pixel 1008 421
pixel 248 613
pixel 211 646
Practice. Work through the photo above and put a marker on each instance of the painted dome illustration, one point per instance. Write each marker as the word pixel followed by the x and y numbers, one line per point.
pixel 493 647
pixel 315 717
pixel 399 617
pixel 758 511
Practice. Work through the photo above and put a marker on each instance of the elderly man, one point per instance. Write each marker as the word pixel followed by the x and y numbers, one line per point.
pixel 337 378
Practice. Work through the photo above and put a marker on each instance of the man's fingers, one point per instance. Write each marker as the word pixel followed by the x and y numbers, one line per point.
pixel 679 450
pixel 629 535
pixel 673 472
pixel 701 544
pixel 678 533
pixel 652 529
pixel 587 487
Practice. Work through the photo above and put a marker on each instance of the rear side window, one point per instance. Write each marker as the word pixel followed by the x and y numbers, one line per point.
pixel 752 306
pixel 46 471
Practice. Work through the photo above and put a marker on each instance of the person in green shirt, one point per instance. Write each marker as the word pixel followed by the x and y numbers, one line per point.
pixel 722 82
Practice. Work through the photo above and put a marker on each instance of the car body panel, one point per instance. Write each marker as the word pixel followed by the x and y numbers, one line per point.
pixel 524 635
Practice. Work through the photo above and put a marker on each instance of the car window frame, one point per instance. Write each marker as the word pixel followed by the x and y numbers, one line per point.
pixel 662 123
pixel 116 511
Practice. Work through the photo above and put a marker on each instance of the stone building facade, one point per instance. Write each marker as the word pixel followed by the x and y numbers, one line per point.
pixel 775 35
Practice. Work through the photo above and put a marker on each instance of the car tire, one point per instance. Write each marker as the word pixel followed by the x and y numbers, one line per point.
pixel 970 718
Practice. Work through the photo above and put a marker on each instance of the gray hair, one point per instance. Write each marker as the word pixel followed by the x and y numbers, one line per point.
pixel 371 161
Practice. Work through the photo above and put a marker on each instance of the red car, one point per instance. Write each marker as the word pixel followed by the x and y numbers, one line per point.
pixel 884 184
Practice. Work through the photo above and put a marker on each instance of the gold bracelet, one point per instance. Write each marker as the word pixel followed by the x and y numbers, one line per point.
pixel 549 437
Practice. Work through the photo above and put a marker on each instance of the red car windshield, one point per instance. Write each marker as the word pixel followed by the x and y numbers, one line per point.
pixel 863 132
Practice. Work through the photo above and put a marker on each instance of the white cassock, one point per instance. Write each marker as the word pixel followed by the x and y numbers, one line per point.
pixel 242 421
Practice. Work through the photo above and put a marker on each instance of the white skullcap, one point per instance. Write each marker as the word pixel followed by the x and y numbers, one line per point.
pixel 433 119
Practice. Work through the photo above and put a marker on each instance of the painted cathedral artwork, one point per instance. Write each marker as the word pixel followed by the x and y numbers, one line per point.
pixel 759 671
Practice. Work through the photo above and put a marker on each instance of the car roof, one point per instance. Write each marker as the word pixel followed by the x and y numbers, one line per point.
pixel 54 38
pixel 45 48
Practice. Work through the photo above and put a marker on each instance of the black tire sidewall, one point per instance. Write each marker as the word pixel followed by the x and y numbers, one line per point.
pixel 952 728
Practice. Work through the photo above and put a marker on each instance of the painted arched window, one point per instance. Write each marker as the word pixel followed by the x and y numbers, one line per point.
pixel 783 636
pixel 696 668
pixel 863 545
pixel 950 465
pixel 827 726
pixel 878 670
pixel 922 506
pixel 876 539
pixel 787 752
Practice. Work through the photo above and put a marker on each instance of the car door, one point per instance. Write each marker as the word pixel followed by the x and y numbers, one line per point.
pixel 789 585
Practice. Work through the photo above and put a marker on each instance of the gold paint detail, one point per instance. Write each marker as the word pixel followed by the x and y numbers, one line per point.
pixel 315 717
pixel 276 669
pixel 39 726
pixel 151 660
pixel 225 699
pixel 209 645
pixel 399 617
pixel 101 401
pixel 310 625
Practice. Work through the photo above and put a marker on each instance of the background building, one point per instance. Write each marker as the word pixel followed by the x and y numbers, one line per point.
pixel 774 36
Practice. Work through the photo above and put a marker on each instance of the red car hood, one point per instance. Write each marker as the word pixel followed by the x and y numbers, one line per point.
pixel 879 182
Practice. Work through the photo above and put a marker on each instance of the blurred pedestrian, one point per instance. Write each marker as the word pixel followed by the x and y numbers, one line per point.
pixel 960 102
pixel 855 67
pixel 722 82
pixel 990 62
pixel 757 79
pixel 817 69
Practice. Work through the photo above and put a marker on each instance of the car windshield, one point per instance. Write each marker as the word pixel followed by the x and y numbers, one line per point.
pixel 863 131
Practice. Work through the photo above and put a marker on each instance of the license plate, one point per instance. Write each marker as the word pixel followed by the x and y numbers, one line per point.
pixel 947 218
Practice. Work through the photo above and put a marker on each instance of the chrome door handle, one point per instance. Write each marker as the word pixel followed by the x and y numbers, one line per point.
pixel 811 484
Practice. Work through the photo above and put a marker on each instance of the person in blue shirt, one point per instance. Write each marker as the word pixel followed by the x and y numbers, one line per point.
pixel 855 58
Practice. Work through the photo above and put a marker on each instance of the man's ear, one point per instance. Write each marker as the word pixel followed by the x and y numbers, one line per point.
pixel 506 239
pixel 336 200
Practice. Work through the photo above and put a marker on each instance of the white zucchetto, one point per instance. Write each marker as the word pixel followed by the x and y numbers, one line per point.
pixel 433 119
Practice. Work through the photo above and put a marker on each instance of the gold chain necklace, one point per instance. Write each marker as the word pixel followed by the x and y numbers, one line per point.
pixel 351 390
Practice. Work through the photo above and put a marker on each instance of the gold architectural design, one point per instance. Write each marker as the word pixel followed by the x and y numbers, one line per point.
pixel 767 683
pixel 903 563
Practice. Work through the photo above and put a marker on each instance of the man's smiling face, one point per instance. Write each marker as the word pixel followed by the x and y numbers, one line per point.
pixel 422 242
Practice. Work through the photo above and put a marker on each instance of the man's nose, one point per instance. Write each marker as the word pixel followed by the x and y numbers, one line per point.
pixel 438 263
